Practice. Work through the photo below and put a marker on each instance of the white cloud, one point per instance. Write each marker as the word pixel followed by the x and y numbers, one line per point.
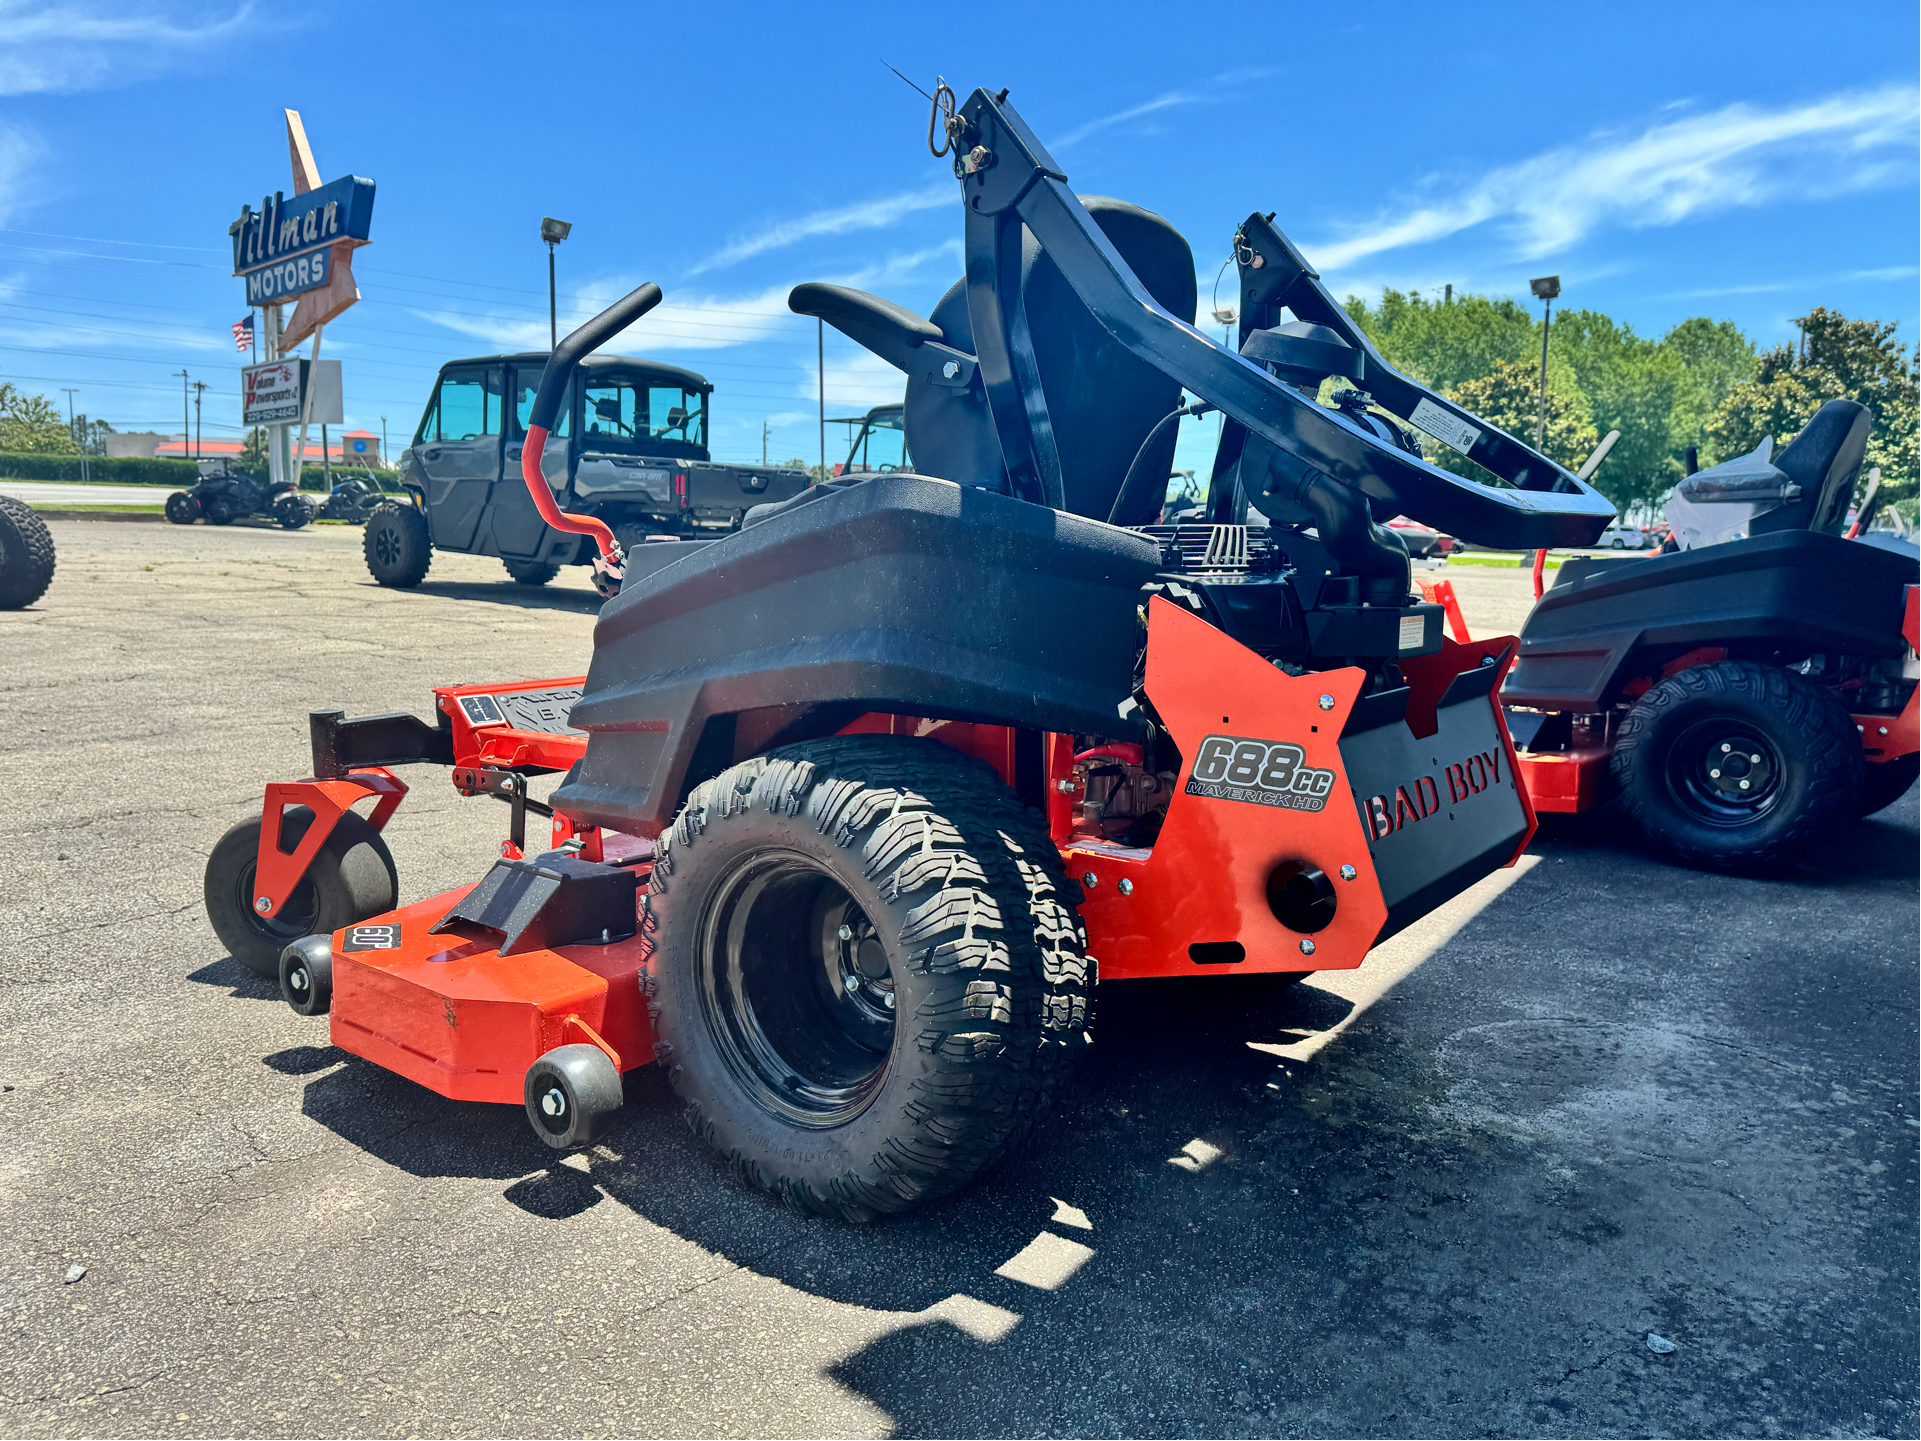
pixel 18 153
pixel 1737 156
pixel 78 47
pixel 1121 117
pixel 857 381
pixel 867 215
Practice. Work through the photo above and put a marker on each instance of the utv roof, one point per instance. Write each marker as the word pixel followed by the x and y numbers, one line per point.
pixel 687 379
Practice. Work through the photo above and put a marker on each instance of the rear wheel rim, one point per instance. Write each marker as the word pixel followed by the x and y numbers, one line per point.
pixel 1725 773
pixel 387 545
pixel 295 917
pixel 797 989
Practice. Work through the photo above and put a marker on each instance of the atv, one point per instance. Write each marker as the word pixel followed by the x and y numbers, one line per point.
pixel 1751 689
pixel 354 499
pixel 845 876
pixel 222 496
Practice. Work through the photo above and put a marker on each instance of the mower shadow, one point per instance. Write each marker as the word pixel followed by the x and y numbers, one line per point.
pixel 506 592
pixel 239 981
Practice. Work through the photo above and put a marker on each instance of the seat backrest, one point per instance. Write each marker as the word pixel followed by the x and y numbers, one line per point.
pixel 1823 460
pixel 1101 399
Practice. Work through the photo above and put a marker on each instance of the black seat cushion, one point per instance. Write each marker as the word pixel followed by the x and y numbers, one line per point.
pixel 1823 460
pixel 1101 399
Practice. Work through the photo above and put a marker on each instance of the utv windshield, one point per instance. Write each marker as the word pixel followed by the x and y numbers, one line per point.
pixel 637 415
pixel 881 445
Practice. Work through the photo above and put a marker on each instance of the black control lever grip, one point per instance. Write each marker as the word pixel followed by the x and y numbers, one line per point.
pixel 582 342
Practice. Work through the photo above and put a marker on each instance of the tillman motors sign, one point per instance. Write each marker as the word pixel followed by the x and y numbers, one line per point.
pixel 285 247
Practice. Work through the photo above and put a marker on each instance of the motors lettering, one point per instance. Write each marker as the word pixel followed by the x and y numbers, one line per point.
pixel 1387 814
pixel 1258 772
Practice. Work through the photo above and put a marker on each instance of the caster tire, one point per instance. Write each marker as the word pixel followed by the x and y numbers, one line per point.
pixel 26 555
pixel 1885 782
pixel 397 546
pixel 182 508
pixel 351 878
pixel 1738 766
pixel 291 511
pixel 525 573
pixel 307 975
pixel 865 970
pixel 572 1093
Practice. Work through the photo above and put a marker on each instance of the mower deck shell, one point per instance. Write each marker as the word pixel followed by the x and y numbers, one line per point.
pixel 456 1016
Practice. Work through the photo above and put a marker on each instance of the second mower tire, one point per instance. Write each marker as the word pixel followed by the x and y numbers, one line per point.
pixel 530 572
pixel 183 508
pixel 865 970
pixel 1885 782
pixel 351 878
pixel 26 555
pixel 1738 766
pixel 397 546
pixel 572 1092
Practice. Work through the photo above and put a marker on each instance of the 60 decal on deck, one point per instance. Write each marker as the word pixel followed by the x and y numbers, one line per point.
pixel 1259 772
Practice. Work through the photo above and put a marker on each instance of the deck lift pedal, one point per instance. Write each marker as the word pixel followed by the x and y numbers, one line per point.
pixel 854 797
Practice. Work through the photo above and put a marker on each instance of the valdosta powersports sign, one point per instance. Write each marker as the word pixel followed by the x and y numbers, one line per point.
pixel 270 394
pixel 285 247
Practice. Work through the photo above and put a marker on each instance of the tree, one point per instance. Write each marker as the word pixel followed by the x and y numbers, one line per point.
pixel 1844 360
pixel 1715 357
pixel 32 425
pixel 1635 386
pixel 1444 345
pixel 1510 396
pixel 253 450
pixel 90 435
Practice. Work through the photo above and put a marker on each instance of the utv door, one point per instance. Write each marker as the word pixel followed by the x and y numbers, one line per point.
pixel 517 527
pixel 459 452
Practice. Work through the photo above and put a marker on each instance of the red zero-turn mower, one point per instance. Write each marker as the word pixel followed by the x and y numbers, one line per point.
pixel 855 796
pixel 1749 691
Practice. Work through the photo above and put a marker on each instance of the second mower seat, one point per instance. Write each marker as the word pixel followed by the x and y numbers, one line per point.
pixel 1823 461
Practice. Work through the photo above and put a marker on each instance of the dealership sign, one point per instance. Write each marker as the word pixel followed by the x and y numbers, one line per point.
pixel 285 247
pixel 270 394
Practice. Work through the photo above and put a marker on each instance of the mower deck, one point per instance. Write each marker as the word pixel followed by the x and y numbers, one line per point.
pixel 453 1014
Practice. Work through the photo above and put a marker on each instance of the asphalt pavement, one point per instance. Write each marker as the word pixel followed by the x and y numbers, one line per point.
pixel 1449 1194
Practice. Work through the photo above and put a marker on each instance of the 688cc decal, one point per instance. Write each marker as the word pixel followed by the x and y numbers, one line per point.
pixel 1263 773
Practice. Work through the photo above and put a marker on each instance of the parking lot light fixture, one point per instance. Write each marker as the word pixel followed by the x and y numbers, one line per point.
pixel 553 232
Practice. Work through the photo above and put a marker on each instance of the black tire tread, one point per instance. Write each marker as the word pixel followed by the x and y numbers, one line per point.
pixel 531 572
pixel 358 885
pixel 409 573
pixel 26 555
pixel 1014 997
pixel 1797 703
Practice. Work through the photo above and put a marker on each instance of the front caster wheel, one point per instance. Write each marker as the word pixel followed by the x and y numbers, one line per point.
pixel 572 1093
pixel 307 975
pixel 351 878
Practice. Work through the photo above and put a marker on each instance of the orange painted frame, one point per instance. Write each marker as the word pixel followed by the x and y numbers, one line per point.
pixel 1884 739
pixel 276 871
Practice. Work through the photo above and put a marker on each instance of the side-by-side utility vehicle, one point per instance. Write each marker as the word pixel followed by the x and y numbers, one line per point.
pixel 628 446
pixel 862 800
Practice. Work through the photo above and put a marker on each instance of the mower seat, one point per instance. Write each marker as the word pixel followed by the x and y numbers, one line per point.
pixel 1823 461
pixel 1101 399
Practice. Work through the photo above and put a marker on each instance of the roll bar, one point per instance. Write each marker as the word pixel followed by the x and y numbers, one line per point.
pixel 1008 180
pixel 553 389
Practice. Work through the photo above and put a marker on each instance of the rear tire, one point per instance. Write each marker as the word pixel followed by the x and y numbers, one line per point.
pixel 796 895
pixel 1885 782
pixel 530 572
pixel 291 511
pixel 351 878
pixel 397 546
pixel 182 508
pixel 26 555
pixel 1685 766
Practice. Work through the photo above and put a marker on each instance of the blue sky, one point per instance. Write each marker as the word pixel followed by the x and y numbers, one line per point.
pixel 1741 161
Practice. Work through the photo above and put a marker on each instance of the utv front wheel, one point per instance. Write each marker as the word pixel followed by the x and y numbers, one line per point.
pixel 351 878
pixel 530 572
pixel 397 546
pixel 865 976
pixel 1737 766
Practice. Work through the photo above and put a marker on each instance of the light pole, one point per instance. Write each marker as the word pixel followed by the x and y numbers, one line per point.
pixel 199 386
pixel 78 440
pixel 553 232
pixel 186 427
pixel 1545 289
pixel 385 463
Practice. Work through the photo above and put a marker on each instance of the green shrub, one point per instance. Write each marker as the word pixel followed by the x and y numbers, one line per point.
pixel 128 470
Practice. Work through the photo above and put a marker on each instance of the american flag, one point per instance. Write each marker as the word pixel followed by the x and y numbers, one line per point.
pixel 243 333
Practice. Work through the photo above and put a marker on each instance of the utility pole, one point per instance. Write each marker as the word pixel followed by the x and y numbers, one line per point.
pixel 1545 289
pixel 385 463
pixel 79 440
pixel 765 427
pixel 198 387
pixel 186 428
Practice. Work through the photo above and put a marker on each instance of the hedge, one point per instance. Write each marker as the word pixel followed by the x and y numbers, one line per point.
pixel 128 470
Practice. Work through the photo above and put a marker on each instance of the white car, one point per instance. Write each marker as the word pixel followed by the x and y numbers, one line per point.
pixel 1623 537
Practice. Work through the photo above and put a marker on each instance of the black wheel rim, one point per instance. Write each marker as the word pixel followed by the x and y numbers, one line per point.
pixel 1724 773
pixel 295 918
pixel 387 545
pixel 798 990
